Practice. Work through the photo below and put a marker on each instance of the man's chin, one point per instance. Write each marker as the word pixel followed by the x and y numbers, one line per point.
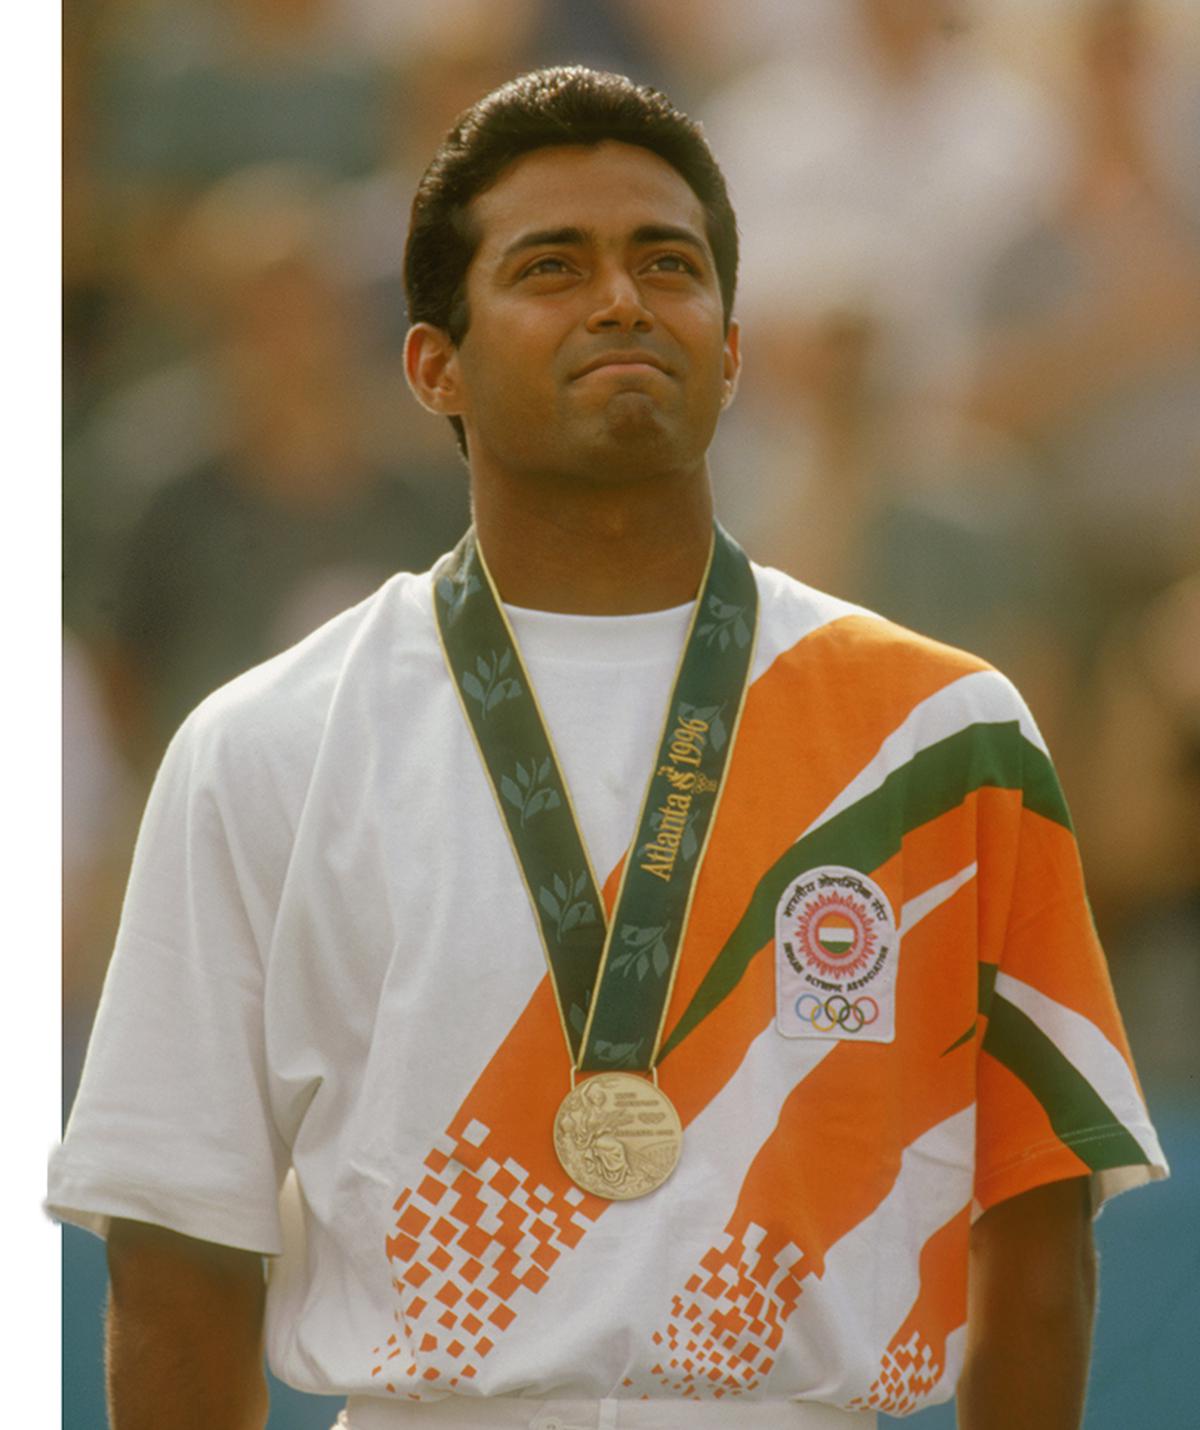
pixel 631 418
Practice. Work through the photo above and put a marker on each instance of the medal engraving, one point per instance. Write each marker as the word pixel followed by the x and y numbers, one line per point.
pixel 617 1136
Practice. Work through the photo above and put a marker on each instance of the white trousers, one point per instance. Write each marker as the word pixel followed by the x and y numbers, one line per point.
pixel 458 1412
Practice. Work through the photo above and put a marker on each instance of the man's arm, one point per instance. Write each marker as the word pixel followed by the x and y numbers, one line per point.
pixel 1029 1319
pixel 184 1338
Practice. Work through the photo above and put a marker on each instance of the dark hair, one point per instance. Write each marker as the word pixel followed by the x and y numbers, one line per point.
pixel 564 105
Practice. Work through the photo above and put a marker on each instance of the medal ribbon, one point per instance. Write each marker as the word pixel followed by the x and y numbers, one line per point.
pixel 612 981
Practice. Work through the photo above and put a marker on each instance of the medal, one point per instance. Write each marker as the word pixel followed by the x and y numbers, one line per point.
pixel 616 1133
pixel 617 1136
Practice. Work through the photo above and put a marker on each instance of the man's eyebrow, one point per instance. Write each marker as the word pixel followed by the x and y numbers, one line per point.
pixel 670 233
pixel 572 236
pixel 546 238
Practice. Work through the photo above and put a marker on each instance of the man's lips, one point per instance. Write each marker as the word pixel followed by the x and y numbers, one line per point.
pixel 625 357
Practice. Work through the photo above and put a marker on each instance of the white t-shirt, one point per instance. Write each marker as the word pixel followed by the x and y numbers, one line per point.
pixel 602 683
pixel 327 961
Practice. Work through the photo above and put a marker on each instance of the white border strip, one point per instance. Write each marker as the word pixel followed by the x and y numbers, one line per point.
pixel 924 904
pixel 983 696
pixel 1091 1054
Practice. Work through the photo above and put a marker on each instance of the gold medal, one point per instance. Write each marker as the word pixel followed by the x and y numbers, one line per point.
pixel 617 1136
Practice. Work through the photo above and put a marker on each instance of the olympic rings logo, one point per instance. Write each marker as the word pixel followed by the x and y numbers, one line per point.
pixel 836 1012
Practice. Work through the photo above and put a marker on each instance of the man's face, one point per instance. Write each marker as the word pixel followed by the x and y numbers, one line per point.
pixel 596 347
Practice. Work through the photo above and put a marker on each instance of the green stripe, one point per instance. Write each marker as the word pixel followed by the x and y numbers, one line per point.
pixel 869 832
pixel 961 1040
pixel 987 984
pixel 1079 1115
pixel 1041 792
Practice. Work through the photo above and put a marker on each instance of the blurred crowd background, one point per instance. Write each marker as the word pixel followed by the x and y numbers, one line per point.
pixel 970 300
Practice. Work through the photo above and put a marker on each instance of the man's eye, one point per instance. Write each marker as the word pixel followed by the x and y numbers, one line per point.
pixel 674 263
pixel 545 265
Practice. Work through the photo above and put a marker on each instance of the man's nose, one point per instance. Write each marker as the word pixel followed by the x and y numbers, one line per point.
pixel 619 304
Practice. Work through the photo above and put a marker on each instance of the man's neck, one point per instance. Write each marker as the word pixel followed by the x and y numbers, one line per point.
pixel 596 551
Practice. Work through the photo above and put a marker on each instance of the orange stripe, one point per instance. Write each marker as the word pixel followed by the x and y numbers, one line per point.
pixel 915 1360
pixel 1022 1149
pixel 938 850
pixel 775 790
pixel 837 1147
pixel 700 1066
pixel 520 1109
pixel 777 785
pixel 832 1158
pixel 1051 912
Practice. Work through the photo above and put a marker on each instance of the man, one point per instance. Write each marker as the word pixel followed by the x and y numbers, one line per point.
pixel 851 1030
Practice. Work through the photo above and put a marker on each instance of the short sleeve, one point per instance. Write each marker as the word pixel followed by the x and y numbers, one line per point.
pixel 172 1123
pixel 1057 1093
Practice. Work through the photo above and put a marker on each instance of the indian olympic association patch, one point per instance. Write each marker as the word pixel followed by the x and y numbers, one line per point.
pixel 836 951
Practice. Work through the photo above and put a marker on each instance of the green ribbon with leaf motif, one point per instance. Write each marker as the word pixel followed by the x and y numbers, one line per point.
pixel 612 979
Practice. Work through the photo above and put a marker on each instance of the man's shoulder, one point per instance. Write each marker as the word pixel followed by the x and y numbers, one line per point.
pixel 282 708
pixel 801 619
pixel 830 654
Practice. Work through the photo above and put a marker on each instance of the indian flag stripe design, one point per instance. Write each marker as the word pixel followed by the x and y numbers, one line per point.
pixel 797 1284
pixel 978 697
pixel 866 834
pixel 836 933
pixel 939 765
pixel 1081 1118
pixel 1089 1052
pixel 798 613
pixel 924 904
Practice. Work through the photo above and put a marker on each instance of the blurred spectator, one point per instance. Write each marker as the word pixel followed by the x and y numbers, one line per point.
pixel 882 177
pixel 161 98
pixel 948 538
pixel 196 89
pixel 1093 354
pixel 614 35
pixel 185 92
pixel 1139 821
pixel 411 33
pixel 875 190
pixel 702 46
pixel 605 34
pixel 1145 731
pixel 294 520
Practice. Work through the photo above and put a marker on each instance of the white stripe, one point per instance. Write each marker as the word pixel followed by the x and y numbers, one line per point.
pixel 515 1410
pixel 917 908
pixel 1091 1054
pixel 790 611
pixel 750 1102
pixel 956 1354
pixel 874 1270
pixel 984 695
pixel 1112 1181
pixel 720 1144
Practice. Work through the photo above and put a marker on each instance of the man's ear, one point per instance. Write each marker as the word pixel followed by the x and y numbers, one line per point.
pixel 732 363
pixel 432 368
